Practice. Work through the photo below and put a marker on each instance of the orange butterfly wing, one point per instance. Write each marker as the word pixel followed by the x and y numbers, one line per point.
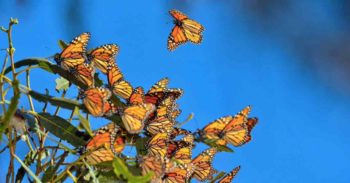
pixel 229 177
pixel 203 169
pixel 176 38
pixel 177 15
pixel 74 53
pixel 157 145
pixel 115 78
pixel 95 99
pixel 236 132
pixel 105 144
pixel 84 73
pixel 134 117
pixel 103 56
pixel 149 163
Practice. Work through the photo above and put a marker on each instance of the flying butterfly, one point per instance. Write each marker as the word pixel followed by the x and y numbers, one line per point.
pixel 203 169
pixel 116 80
pixel 185 30
pixel 103 56
pixel 229 177
pixel 105 144
pixel 96 100
pixel 74 53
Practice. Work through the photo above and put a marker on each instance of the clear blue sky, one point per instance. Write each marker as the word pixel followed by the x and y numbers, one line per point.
pixel 249 55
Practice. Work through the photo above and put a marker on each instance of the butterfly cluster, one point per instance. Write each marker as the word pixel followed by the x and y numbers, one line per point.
pixel 152 114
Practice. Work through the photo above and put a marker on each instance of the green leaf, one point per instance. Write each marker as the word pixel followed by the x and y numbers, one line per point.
pixel 62 129
pixel 84 123
pixel 11 109
pixel 122 171
pixel 62 102
pixel 61 84
pixel 219 176
pixel 140 146
pixel 212 143
pixel 62 44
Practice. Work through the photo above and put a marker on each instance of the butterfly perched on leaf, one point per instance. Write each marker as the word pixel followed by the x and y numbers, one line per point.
pixel 157 145
pixel 96 101
pixel 160 91
pixel 105 144
pixel 150 163
pixel 181 151
pixel 178 174
pixel 229 177
pixel 74 54
pixel 231 129
pixel 117 83
pixel 185 30
pixel 137 112
pixel 84 73
pixel 103 56
pixel 203 169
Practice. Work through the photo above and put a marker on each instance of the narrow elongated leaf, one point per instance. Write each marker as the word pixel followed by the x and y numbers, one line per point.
pixel 122 171
pixel 218 147
pixel 56 101
pixel 62 44
pixel 83 122
pixel 62 129
pixel 217 177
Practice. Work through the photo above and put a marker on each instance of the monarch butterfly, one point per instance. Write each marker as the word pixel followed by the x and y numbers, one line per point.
pixel 231 129
pixel 109 109
pixel 213 130
pixel 137 97
pixel 157 145
pixel 119 86
pixel 175 146
pixel 237 131
pixel 134 116
pixel 160 91
pixel 185 30
pixel 178 131
pixel 74 53
pixel 149 163
pixel 96 100
pixel 84 73
pixel 105 143
pixel 229 177
pixel 178 174
pixel 159 125
pixel 103 56
pixel 203 169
